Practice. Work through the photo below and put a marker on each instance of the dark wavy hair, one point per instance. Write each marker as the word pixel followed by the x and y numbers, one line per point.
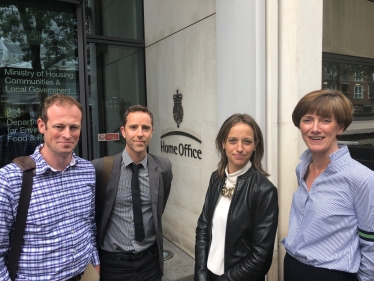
pixel 222 138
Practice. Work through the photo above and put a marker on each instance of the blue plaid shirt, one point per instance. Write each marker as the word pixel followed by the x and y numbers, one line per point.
pixel 332 225
pixel 59 238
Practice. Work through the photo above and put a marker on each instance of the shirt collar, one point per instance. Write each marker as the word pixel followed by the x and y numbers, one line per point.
pixel 231 178
pixel 241 171
pixel 335 156
pixel 42 166
pixel 72 163
pixel 126 159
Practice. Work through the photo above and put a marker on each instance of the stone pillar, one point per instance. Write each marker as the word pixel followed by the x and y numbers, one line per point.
pixel 271 141
pixel 300 63
pixel 240 33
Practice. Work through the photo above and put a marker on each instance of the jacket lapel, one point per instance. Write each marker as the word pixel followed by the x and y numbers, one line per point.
pixel 111 193
pixel 154 184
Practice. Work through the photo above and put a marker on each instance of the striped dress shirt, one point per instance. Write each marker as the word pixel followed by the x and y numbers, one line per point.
pixel 332 225
pixel 120 234
pixel 60 231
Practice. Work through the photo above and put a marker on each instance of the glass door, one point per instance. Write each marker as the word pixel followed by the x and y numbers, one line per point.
pixel 116 81
pixel 38 58
pixel 115 70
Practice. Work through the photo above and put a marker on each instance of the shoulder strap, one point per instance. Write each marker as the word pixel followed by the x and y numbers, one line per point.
pixel 25 163
pixel 28 166
pixel 101 185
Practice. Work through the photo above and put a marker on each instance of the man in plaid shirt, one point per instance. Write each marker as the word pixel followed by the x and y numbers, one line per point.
pixel 59 240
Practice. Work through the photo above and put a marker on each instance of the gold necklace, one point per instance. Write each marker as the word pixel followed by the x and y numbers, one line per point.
pixel 228 191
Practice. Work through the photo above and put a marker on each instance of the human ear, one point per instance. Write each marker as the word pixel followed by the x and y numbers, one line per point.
pixel 123 131
pixel 340 131
pixel 41 126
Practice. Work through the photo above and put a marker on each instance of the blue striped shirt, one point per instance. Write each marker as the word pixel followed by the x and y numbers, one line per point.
pixel 60 231
pixel 332 225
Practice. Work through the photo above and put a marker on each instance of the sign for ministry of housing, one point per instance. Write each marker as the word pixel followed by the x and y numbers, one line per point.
pixel 43 81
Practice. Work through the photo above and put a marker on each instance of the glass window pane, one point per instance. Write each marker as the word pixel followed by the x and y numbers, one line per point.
pixel 104 15
pixel 347 47
pixel 38 47
pixel 354 80
pixel 116 81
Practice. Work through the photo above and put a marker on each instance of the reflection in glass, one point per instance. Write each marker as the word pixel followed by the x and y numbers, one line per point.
pixel 355 81
pixel 116 81
pixel 38 46
pixel 103 18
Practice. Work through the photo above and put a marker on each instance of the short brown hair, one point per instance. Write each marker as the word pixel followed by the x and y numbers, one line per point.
pixel 222 138
pixel 325 103
pixel 59 100
pixel 136 108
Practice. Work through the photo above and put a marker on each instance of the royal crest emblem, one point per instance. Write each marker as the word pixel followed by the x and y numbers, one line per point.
pixel 12 112
pixel 178 109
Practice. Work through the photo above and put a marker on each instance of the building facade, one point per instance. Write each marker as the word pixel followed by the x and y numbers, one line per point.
pixel 193 63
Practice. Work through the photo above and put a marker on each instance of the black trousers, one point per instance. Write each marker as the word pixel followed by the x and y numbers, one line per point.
pixel 298 271
pixel 145 269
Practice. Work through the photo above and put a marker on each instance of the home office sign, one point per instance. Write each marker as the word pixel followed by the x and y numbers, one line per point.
pixel 182 149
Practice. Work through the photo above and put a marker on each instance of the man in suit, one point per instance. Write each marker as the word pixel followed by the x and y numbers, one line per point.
pixel 129 238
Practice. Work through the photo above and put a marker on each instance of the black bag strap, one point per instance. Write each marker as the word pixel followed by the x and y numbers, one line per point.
pixel 28 167
pixel 101 185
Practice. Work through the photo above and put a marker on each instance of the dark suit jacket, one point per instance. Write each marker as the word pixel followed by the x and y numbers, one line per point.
pixel 160 177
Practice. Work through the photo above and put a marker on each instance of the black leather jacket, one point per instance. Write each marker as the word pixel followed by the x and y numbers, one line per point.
pixel 250 232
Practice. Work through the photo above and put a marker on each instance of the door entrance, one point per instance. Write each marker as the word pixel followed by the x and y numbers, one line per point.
pixel 38 46
pixel 84 49
pixel 115 70
pixel 116 81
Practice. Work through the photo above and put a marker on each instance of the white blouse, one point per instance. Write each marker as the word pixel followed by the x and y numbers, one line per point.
pixel 217 248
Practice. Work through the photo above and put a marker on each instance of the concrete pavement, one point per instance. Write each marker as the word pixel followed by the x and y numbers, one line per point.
pixel 180 267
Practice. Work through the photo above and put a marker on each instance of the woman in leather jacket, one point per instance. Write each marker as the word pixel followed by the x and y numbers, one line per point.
pixel 236 229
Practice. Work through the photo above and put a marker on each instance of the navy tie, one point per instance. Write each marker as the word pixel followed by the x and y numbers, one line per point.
pixel 136 203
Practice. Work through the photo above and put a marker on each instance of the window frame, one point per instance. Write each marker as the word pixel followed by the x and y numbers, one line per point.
pixel 104 40
pixel 361 93
pixel 362 134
